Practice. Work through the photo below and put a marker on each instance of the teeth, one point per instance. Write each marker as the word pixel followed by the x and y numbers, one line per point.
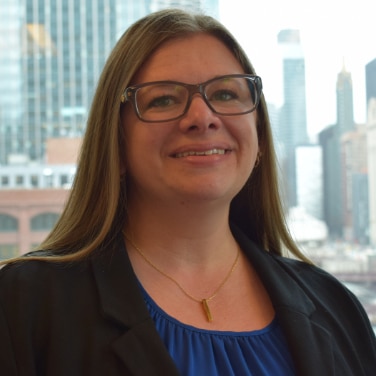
pixel 207 152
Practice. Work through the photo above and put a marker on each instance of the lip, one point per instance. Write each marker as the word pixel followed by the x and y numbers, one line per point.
pixel 201 151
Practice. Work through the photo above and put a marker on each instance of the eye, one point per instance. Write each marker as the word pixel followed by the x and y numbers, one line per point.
pixel 223 95
pixel 160 97
pixel 161 102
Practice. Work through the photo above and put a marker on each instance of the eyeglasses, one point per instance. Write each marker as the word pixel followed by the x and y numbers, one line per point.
pixel 159 101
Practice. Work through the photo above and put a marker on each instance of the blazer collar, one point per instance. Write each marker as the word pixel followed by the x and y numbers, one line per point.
pixel 297 314
pixel 121 301
pixel 139 346
pixel 117 286
pixel 283 289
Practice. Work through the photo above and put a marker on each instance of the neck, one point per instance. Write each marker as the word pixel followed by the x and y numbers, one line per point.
pixel 192 233
pixel 184 248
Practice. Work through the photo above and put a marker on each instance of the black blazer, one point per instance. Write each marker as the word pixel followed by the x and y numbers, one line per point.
pixel 89 318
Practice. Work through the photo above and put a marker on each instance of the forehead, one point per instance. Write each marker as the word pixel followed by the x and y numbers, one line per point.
pixel 191 59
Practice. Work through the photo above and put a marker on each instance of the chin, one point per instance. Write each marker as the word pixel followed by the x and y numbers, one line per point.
pixel 210 194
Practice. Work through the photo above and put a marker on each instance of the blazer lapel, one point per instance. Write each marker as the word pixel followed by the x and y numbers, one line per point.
pixel 139 347
pixel 296 313
pixel 310 344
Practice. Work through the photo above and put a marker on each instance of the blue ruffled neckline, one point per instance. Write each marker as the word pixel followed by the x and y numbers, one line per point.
pixel 199 351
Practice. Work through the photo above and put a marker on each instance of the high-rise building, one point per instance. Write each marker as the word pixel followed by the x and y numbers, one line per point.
pixel 61 50
pixel 371 153
pixel 345 125
pixel 354 183
pixel 371 145
pixel 337 179
pixel 52 53
pixel 51 56
pixel 10 77
pixel 292 123
pixel 332 202
pixel 371 80
pixel 360 211
pixel 345 103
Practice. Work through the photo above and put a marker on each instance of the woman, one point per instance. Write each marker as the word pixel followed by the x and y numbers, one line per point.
pixel 167 258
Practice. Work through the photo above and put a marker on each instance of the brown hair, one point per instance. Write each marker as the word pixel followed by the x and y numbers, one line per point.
pixel 96 209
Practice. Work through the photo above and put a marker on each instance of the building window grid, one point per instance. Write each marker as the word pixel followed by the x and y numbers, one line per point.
pixel 8 223
pixel 43 222
pixel 4 181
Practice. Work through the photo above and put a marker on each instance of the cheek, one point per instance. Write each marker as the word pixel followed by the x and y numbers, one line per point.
pixel 143 146
pixel 248 137
pixel 250 148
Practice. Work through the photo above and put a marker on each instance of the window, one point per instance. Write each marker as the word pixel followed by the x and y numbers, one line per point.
pixel 44 222
pixel 4 181
pixel 64 180
pixel 19 180
pixel 34 181
pixel 8 223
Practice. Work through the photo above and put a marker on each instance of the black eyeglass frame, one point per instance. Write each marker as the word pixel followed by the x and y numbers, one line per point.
pixel 130 93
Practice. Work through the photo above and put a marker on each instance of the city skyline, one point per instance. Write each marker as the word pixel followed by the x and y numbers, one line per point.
pixel 332 34
pixel 52 56
pixel 33 194
pixel 54 76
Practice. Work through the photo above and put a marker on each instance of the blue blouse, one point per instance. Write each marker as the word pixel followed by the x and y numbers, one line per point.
pixel 208 352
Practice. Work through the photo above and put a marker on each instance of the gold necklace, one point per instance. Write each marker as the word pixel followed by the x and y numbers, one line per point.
pixel 203 302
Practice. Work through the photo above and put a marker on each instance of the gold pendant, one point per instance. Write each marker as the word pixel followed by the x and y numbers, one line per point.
pixel 207 310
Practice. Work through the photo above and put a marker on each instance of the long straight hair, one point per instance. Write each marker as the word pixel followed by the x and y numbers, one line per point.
pixel 96 209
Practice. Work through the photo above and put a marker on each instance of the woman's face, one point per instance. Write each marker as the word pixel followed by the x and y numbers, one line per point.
pixel 179 160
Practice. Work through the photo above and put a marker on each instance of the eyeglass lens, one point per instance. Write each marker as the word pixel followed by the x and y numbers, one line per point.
pixel 225 95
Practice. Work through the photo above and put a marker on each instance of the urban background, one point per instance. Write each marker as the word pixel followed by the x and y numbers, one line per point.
pixel 51 55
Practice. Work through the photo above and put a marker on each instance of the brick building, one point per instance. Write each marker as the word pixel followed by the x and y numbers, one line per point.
pixel 26 217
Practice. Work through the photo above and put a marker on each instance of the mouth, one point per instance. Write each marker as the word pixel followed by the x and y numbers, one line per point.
pixel 201 153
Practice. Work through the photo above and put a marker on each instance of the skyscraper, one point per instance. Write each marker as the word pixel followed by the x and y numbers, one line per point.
pixel 332 205
pixel 293 120
pixel 337 178
pixel 354 183
pixel 293 123
pixel 62 49
pixel 52 53
pixel 51 56
pixel 371 145
pixel 371 80
pixel 345 103
pixel 10 77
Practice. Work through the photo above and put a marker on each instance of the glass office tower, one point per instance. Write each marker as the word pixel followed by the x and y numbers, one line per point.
pixel 292 125
pixel 52 52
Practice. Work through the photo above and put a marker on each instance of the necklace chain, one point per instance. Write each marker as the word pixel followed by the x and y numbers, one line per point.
pixel 204 301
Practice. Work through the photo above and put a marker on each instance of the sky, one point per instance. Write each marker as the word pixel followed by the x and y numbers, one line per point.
pixel 334 33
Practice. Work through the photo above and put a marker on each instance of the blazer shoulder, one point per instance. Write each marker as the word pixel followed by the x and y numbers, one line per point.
pixel 33 274
pixel 312 278
pixel 325 290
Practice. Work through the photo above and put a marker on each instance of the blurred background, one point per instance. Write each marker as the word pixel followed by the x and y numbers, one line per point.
pixel 318 64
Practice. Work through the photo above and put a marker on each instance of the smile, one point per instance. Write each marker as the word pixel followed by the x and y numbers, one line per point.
pixel 200 153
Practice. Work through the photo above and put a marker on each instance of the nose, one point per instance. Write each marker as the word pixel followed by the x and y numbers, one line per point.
pixel 199 117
